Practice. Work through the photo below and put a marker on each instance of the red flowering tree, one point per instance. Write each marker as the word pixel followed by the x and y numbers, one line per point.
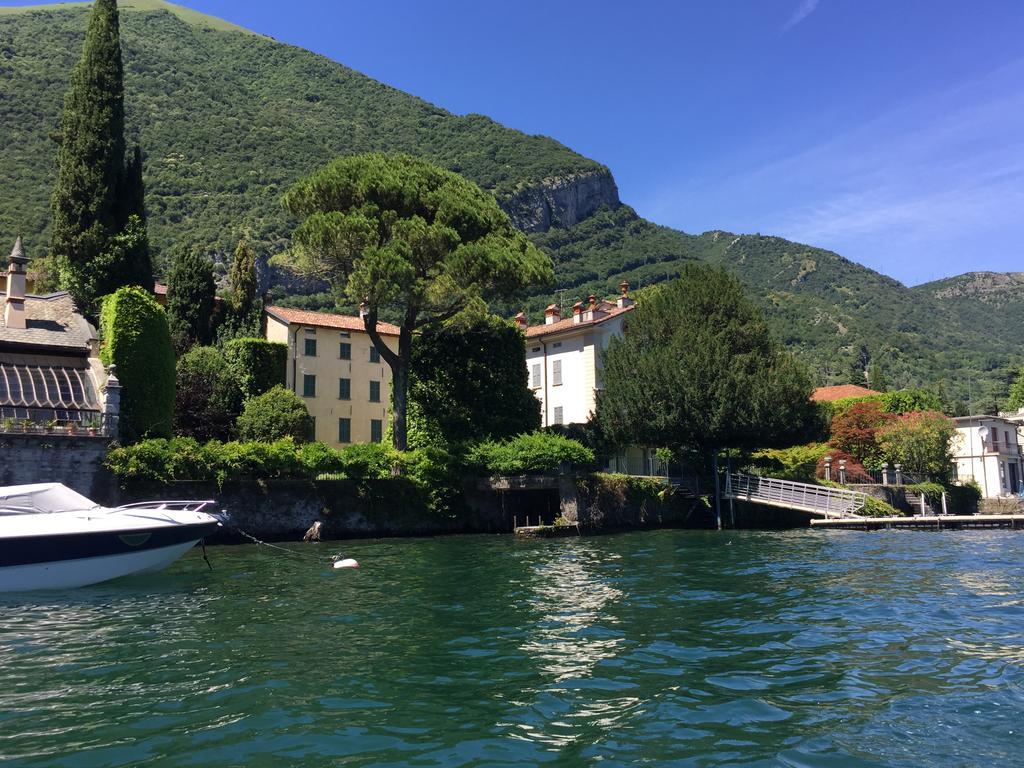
pixel 855 472
pixel 856 432
pixel 921 442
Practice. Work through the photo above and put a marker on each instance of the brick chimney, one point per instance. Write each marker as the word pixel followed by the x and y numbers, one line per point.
pixel 552 314
pixel 577 312
pixel 521 323
pixel 624 300
pixel 14 305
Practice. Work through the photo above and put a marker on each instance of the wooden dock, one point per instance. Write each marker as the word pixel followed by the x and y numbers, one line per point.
pixel 924 522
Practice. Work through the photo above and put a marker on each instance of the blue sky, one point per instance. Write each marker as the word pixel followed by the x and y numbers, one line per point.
pixel 891 131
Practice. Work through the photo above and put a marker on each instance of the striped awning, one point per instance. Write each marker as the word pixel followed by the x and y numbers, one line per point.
pixel 46 386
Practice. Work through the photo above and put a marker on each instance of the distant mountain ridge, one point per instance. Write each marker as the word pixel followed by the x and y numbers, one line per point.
pixel 229 118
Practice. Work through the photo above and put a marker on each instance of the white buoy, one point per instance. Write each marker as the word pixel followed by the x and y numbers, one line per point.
pixel 348 562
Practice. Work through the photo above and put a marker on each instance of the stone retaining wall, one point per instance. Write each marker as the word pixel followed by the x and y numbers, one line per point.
pixel 75 460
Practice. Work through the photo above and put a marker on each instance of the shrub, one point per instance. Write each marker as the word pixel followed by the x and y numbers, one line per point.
pixel 877 508
pixel 369 461
pixel 532 453
pixel 257 364
pixel 910 400
pixel 921 442
pixel 273 415
pixel 963 499
pixel 207 399
pixel 798 463
pixel 855 432
pixel 320 459
pixel 136 339
pixel 855 471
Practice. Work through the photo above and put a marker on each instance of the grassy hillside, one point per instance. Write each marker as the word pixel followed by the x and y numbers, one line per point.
pixel 228 119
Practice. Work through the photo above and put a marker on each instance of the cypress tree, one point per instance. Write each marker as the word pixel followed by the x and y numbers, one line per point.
pixel 97 244
pixel 190 300
pixel 243 279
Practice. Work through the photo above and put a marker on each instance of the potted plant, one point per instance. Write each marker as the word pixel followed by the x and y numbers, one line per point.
pixel 51 425
pixel 92 427
pixel 72 427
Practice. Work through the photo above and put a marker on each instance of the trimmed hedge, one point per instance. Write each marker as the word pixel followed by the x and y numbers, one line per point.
pixel 431 475
pixel 258 365
pixel 532 453
pixel 275 414
pixel 136 339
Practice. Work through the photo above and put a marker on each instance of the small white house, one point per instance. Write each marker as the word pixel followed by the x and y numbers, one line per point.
pixel 987 450
pixel 563 356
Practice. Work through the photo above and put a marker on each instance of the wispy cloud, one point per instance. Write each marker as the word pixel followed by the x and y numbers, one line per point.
pixel 931 188
pixel 805 9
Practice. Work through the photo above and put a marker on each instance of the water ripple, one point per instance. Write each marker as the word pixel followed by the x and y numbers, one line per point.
pixel 671 648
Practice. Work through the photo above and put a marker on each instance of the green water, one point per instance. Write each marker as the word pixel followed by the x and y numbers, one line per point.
pixel 680 648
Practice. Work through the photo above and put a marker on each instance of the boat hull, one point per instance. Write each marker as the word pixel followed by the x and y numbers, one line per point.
pixel 69 560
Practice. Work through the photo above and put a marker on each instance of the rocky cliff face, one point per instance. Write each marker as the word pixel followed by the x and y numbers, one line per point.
pixel 562 201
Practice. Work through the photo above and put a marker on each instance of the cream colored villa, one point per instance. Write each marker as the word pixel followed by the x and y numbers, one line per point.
pixel 335 368
pixel 986 449
pixel 563 360
pixel 563 357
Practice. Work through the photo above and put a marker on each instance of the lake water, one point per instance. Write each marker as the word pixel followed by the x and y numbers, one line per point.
pixel 688 648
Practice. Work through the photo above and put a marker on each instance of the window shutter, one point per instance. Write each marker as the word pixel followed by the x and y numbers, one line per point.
pixel 556 372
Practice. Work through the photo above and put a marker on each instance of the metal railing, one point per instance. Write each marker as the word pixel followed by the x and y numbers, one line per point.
pixel 815 499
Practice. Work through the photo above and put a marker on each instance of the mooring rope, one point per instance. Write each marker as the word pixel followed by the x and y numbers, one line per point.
pixel 308 555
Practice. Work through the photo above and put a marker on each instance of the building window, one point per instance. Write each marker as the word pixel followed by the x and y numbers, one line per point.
pixel 344 430
pixel 310 350
pixel 558 415
pixel 308 385
pixel 344 351
pixel 344 389
pixel 374 391
pixel 535 376
pixel 374 354
pixel 556 373
pixel 556 345
pixel 536 349
pixel 376 430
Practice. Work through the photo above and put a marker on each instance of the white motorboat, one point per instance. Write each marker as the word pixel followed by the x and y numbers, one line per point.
pixel 54 538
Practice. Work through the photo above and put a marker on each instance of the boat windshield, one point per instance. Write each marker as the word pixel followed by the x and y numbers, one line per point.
pixel 42 497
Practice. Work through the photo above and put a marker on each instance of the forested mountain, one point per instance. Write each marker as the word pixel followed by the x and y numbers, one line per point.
pixel 228 119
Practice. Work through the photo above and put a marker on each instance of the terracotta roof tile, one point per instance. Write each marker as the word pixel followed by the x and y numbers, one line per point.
pixel 841 392
pixel 328 320
pixel 606 310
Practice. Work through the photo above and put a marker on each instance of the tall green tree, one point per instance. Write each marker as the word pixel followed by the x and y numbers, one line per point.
pixel 242 277
pixel 481 391
pixel 411 242
pixel 1016 399
pixel 698 371
pixel 98 236
pixel 190 300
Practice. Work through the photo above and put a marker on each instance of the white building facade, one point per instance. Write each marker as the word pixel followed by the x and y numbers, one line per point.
pixel 563 356
pixel 987 450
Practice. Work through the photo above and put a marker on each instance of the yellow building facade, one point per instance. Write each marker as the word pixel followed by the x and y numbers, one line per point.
pixel 336 369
